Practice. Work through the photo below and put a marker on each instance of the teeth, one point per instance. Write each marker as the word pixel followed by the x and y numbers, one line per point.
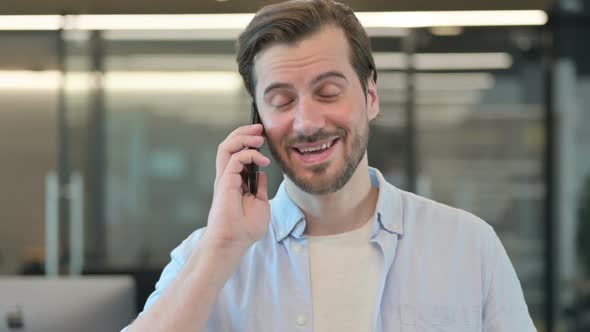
pixel 316 148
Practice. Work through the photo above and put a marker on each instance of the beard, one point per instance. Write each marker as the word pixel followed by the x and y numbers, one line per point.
pixel 320 183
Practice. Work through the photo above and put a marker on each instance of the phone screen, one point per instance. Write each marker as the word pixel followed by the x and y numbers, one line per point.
pixel 252 169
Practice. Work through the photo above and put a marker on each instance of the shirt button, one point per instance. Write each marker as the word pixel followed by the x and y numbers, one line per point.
pixel 301 320
pixel 298 248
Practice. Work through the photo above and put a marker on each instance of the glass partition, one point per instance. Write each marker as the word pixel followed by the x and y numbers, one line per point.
pixel 145 111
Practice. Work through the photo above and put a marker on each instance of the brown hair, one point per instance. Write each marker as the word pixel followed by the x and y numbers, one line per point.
pixel 289 22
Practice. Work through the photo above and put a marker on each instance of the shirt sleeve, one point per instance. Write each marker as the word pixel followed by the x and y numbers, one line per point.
pixel 178 258
pixel 505 309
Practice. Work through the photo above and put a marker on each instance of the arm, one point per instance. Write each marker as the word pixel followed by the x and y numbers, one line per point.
pixel 236 220
pixel 505 309
pixel 186 304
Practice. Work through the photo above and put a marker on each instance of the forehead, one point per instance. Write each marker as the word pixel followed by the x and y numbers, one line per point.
pixel 324 50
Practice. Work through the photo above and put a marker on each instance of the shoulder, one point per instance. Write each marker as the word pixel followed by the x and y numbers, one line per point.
pixel 421 216
pixel 422 210
pixel 429 220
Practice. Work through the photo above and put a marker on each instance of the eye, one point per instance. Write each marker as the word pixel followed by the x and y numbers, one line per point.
pixel 329 91
pixel 280 101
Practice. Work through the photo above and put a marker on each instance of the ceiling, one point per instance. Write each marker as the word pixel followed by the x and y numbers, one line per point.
pixel 36 50
pixel 35 7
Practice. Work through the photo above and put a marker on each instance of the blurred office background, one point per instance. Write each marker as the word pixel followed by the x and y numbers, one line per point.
pixel 109 130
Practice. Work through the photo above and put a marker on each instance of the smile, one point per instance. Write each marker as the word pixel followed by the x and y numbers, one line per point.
pixel 316 152
pixel 317 148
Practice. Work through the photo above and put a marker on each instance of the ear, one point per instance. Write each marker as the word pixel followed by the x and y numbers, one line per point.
pixel 372 99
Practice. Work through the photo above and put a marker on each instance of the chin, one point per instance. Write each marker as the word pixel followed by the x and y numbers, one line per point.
pixel 321 179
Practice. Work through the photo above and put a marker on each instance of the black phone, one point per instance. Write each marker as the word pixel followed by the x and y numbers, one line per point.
pixel 252 169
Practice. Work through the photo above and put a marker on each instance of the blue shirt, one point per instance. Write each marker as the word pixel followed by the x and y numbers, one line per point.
pixel 444 270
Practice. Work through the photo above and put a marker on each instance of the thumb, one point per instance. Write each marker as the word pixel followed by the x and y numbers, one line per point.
pixel 262 193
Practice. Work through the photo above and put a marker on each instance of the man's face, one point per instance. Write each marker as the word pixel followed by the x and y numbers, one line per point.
pixel 314 111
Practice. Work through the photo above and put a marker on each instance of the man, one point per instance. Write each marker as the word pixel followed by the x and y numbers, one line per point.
pixel 338 248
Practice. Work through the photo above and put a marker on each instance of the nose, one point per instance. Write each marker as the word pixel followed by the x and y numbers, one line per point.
pixel 309 118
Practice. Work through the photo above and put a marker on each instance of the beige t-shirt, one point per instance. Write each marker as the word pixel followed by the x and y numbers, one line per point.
pixel 345 273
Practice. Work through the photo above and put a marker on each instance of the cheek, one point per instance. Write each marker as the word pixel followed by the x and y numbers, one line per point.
pixel 276 128
pixel 345 115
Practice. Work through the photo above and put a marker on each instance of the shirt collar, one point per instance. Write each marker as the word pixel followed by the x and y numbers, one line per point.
pixel 287 219
pixel 285 214
pixel 389 205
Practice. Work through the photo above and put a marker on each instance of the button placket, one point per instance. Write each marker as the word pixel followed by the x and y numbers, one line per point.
pixel 302 294
pixel 301 320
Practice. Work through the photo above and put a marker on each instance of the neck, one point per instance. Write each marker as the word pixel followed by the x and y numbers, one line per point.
pixel 344 210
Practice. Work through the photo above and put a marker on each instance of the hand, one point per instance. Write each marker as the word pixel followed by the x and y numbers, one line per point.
pixel 237 218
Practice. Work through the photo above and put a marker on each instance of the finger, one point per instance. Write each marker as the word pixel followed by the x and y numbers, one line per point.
pixel 253 129
pixel 262 186
pixel 238 161
pixel 233 179
pixel 238 143
pixel 235 144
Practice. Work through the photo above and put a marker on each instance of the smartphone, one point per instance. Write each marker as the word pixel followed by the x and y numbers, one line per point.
pixel 252 169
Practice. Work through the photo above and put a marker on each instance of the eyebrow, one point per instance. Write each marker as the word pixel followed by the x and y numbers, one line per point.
pixel 279 85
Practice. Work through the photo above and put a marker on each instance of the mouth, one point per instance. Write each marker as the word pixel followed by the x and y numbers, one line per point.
pixel 317 152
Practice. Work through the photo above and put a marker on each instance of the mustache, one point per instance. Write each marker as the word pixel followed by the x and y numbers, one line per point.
pixel 317 136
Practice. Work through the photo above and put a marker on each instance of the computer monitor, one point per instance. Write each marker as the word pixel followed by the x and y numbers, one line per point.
pixel 66 304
